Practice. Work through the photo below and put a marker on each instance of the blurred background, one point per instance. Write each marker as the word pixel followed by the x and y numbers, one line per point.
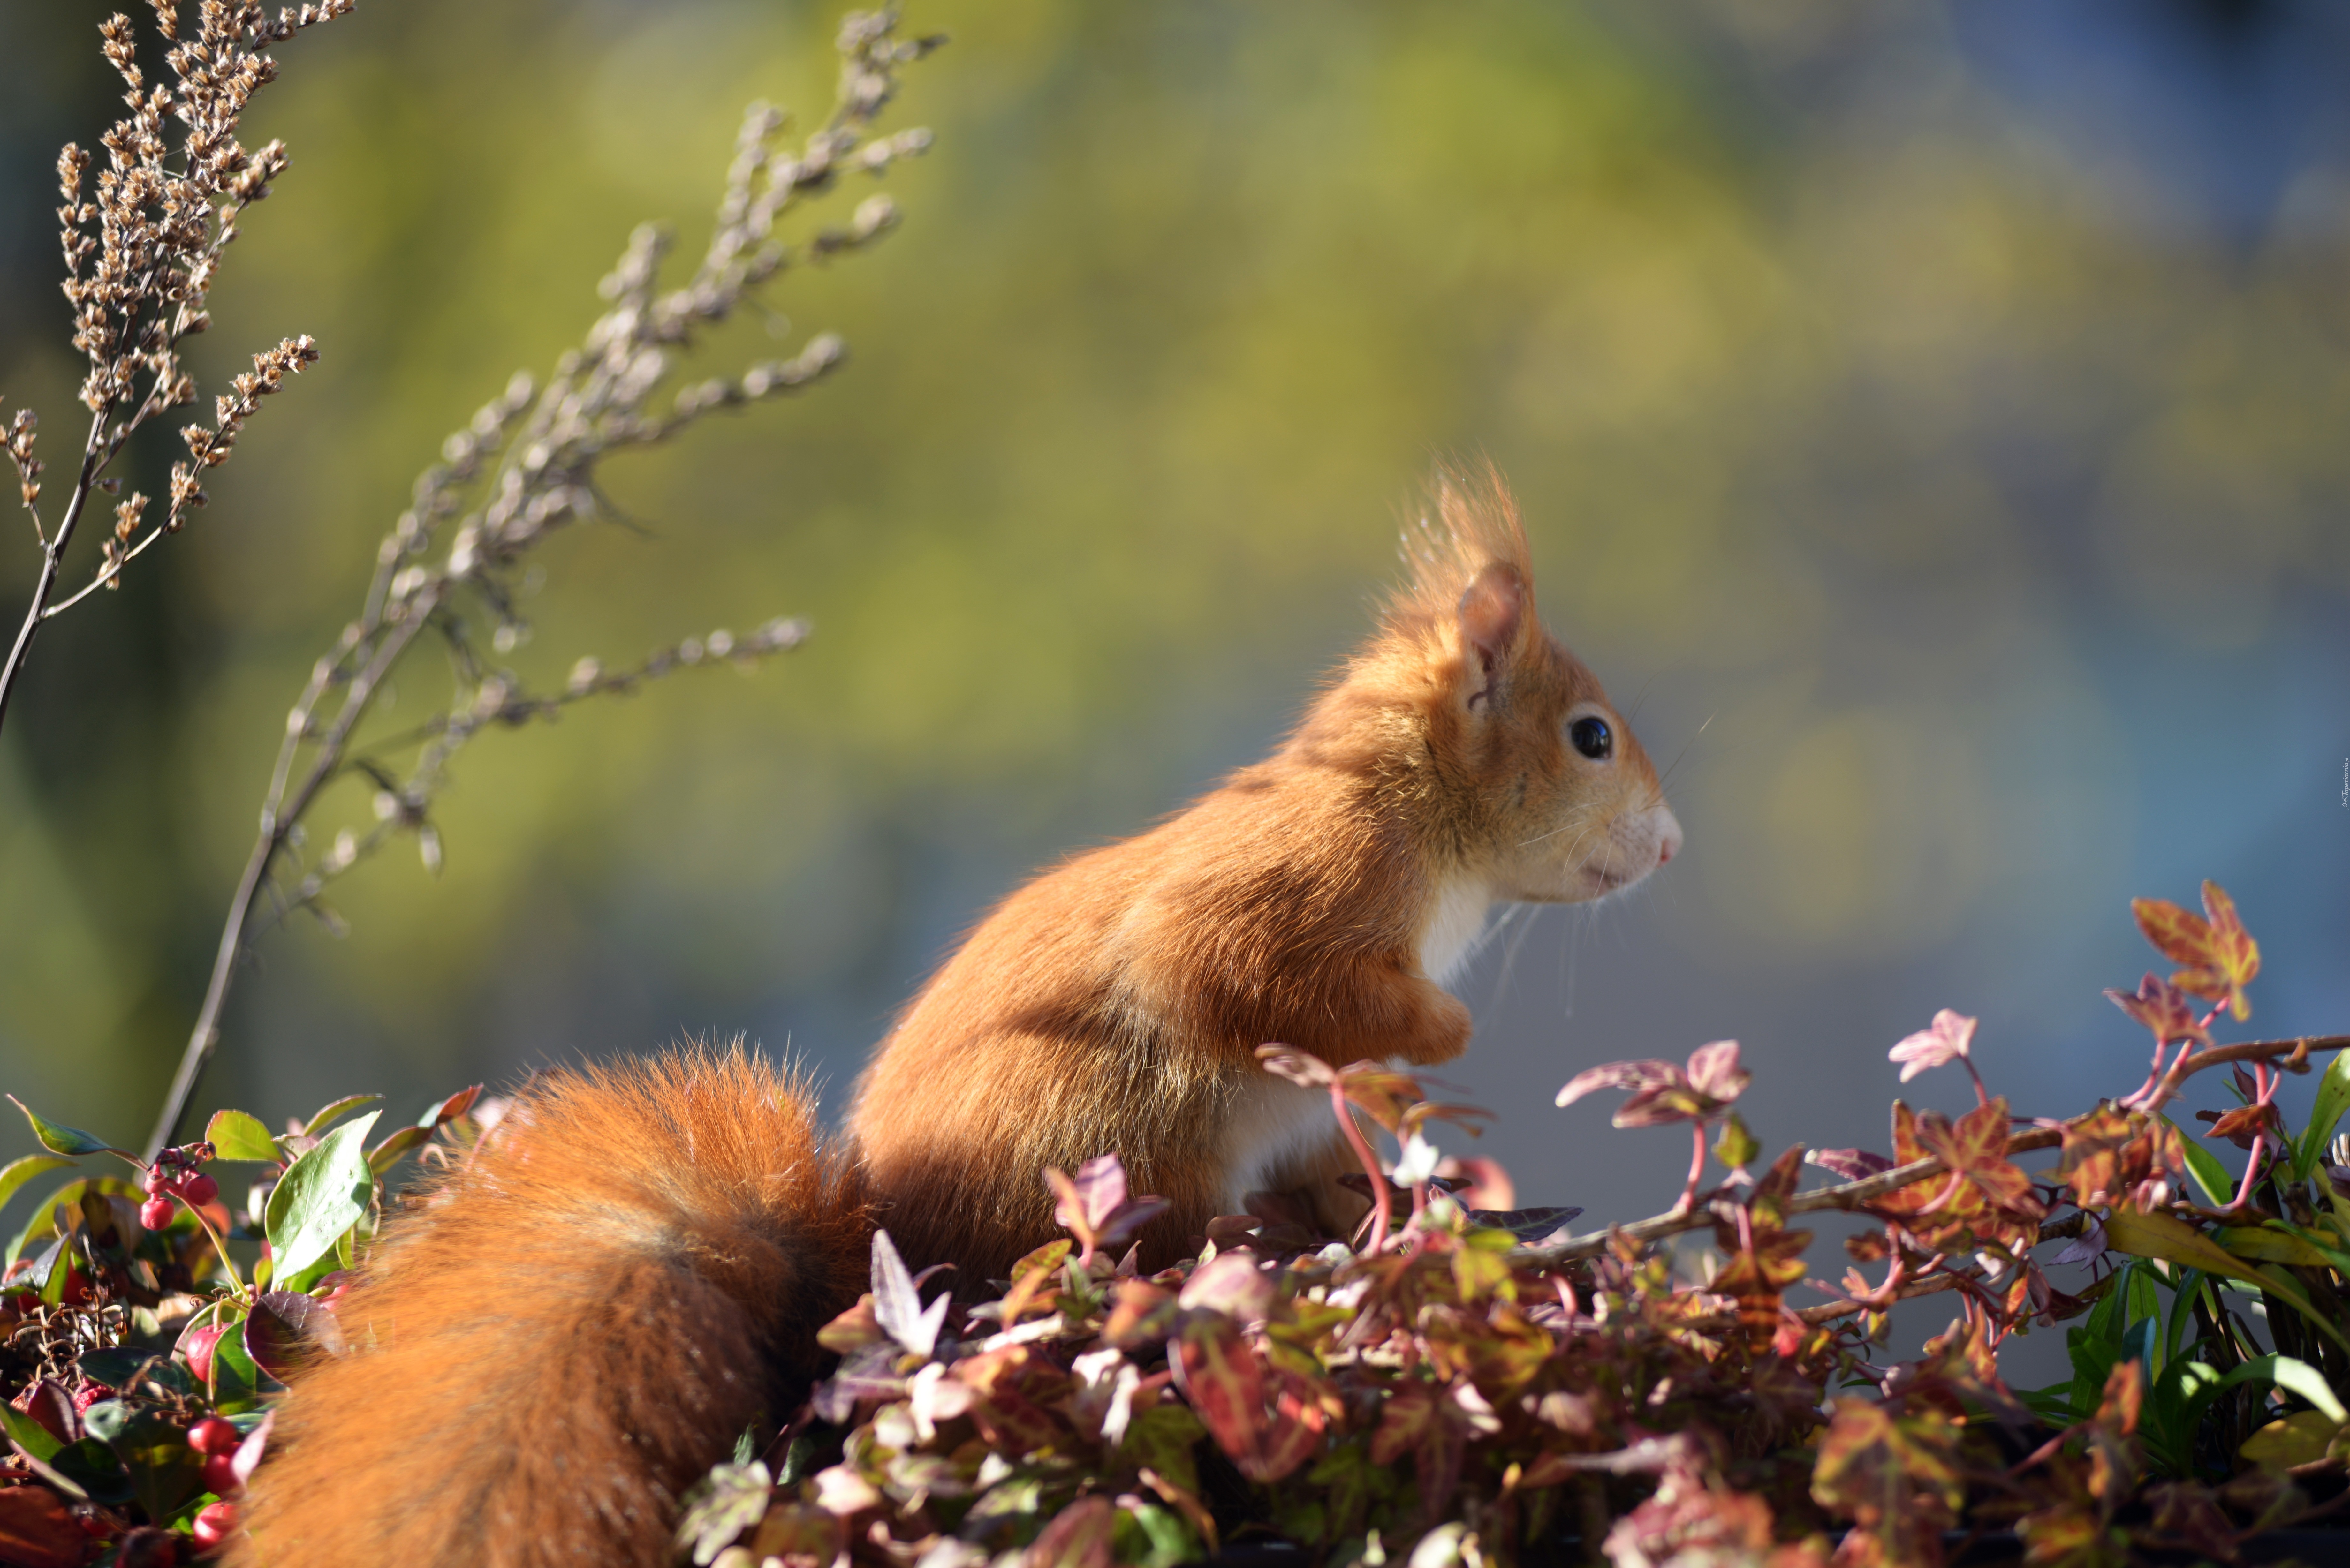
pixel 1930 419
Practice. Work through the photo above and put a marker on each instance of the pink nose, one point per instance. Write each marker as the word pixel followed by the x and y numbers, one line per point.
pixel 1668 841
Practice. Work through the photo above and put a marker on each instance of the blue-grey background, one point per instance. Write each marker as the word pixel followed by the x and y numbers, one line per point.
pixel 1931 420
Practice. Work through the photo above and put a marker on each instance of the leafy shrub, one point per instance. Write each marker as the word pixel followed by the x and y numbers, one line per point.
pixel 1453 1384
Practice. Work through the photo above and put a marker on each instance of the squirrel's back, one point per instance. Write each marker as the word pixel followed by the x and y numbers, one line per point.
pixel 581 1319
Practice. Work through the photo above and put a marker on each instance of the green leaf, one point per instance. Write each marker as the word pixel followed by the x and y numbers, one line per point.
pixel 2284 1372
pixel 236 1135
pixel 385 1155
pixel 18 1172
pixel 236 1380
pixel 43 1221
pixel 320 1196
pixel 724 1503
pixel 2333 1099
pixel 2300 1438
pixel 1168 1539
pixel 2183 1309
pixel 2266 1246
pixel 93 1466
pixel 59 1139
pixel 28 1434
pixel 330 1115
pixel 119 1366
pixel 52 1269
pixel 2219 1187
pixel 2161 1236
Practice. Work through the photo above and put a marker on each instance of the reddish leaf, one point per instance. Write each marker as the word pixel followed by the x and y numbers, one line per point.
pixel 1299 1421
pixel 1977 1146
pixel 2243 1123
pixel 286 1327
pixel 1078 1537
pixel 1405 1417
pixel 45 1400
pixel 2218 956
pixel 1894 1478
pixel 2163 1008
pixel 1015 1425
pixel 1143 1312
pixel 38 1531
pixel 1223 1382
pixel 450 1109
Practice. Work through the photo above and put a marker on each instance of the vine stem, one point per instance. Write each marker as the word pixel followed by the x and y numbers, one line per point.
pixel 1852 1194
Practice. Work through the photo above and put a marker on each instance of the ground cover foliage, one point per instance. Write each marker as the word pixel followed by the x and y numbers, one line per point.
pixel 1453 1384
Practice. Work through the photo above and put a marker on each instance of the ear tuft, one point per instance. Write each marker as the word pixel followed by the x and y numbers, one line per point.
pixel 1491 611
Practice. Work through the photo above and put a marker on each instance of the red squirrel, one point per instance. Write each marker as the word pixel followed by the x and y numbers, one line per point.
pixel 579 1321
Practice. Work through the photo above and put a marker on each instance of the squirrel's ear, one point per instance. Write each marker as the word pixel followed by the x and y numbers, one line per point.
pixel 1491 610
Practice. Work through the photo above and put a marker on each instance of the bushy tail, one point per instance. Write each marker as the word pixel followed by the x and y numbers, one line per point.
pixel 573 1327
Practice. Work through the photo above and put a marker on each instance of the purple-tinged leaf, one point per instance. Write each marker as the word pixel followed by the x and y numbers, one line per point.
pixel 1852 1164
pixel 256 1443
pixel 1938 1045
pixel 1234 1285
pixel 1714 1071
pixel 897 1303
pixel 1287 1062
pixel 1638 1076
pixel 286 1328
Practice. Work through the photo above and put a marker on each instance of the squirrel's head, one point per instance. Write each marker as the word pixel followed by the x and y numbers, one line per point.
pixel 1524 777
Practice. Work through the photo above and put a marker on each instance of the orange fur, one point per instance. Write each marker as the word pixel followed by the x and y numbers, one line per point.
pixel 573 1329
pixel 578 1324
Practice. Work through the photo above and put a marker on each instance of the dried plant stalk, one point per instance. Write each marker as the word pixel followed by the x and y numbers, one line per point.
pixel 524 468
pixel 140 255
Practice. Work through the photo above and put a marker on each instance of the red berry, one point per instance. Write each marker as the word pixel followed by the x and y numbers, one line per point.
pixel 157 1183
pixel 155 1213
pixel 213 1436
pixel 89 1394
pixel 77 1291
pixel 197 1346
pixel 200 1189
pixel 216 1524
pixel 221 1477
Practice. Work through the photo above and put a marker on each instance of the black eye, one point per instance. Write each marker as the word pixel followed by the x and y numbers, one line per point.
pixel 1593 738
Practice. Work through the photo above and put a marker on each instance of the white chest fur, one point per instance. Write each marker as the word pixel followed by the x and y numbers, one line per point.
pixel 1456 919
pixel 1270 1126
